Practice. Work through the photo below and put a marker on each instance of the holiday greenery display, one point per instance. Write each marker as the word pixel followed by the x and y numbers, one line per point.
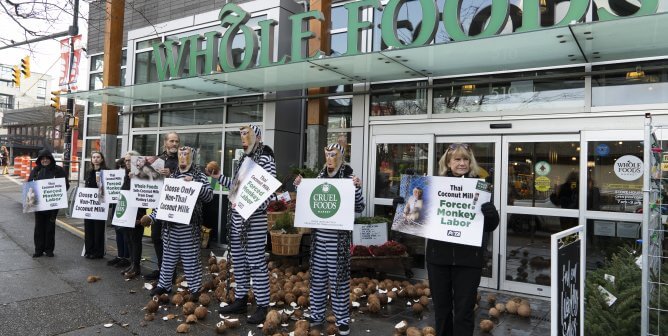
pixel 622 317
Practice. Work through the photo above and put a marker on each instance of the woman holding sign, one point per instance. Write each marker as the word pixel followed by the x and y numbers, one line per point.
pixel 330 252
pixel 45 221
pixel 94 229
pixel 454 270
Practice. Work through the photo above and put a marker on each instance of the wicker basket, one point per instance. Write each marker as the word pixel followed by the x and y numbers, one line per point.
pixel 285 244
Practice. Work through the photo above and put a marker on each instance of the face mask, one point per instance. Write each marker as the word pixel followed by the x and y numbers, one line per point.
pixel 185 158
pixel 248 140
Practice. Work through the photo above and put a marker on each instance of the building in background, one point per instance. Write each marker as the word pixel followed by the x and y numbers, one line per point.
pixel 548 103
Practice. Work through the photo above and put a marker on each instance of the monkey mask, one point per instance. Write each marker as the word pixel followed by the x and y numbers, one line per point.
pixel 333 158
pixel 186 156
pixel 251 135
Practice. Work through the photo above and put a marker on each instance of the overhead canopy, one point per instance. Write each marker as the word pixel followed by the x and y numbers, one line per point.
pixel 626 38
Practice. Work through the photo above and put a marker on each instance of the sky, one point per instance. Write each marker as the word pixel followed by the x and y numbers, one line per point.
pixel 44 55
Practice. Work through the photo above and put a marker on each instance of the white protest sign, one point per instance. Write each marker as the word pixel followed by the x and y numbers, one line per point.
pixel 87 205
pixel 145 194
pixel 252 186
pixel 110 185
pixel 124 215
pixel 370 234
pixel 326 204
pixel 449 208
pixel 177 200
pixel 44 195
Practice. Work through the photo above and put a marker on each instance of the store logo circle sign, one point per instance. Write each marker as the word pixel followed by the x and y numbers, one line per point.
pixel 629 168
pixel 121 206
pixel 325 200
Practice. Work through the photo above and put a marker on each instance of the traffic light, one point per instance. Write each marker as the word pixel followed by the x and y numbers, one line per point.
pixel 16 76
pixel 25 67
pixel 74 122
pixel 55 100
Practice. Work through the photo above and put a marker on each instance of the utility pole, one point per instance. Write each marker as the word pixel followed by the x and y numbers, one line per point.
pixel 73 31
pixel 111 75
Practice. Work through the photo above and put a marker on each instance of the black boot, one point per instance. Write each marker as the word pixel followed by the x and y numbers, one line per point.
pixel 157 290
pixel 258 316
pixel 237 307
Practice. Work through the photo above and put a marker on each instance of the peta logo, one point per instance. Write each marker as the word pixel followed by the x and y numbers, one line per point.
pixel 452 233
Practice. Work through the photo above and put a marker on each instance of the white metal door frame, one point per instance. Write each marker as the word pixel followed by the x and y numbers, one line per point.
pixel 498 182
pixel 505 210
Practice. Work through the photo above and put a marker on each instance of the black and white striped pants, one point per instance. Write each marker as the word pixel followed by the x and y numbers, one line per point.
pixel 249 263
pixel 323 273
pixel 181 241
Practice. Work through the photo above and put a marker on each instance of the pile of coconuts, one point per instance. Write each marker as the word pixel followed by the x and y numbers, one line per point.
pixel 515 306
pixel 289 301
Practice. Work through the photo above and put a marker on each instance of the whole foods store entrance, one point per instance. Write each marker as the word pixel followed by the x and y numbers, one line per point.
pixel 537 181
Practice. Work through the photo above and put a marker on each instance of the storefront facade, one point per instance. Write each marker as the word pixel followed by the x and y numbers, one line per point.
pixel 544 111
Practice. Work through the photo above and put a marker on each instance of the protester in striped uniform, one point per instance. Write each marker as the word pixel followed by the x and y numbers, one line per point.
pixel 330 252
pixel 248 238
pixel 180 240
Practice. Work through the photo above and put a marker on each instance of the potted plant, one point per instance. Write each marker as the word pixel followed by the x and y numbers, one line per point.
pixel 274 210
pixel 285 238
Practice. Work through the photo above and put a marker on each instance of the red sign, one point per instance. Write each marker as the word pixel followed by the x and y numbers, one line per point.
pixel 65 64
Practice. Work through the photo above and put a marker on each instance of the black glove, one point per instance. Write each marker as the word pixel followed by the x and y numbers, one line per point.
pixel 397 200
pixel 488 209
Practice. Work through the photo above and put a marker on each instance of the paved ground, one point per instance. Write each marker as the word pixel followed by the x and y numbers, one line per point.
pixel 50 296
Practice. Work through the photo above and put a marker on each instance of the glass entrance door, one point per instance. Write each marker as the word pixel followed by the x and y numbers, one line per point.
pixel 540 198
pixel 487 152
pixel 393 155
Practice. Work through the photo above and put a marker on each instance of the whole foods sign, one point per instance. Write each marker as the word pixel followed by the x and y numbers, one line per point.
pixel 213 52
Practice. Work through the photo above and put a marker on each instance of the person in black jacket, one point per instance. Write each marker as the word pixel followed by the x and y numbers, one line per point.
pixel 171 146
pixel 45 221
pixel 94 229
pixel 454 270
pixel 132 236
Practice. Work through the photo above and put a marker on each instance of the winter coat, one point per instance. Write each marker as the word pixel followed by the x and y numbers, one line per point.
pixel 51 171
pixel 451 254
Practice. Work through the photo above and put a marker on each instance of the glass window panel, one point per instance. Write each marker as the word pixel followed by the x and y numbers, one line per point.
pixel 145 119
pixel 92 145
pixel 147 43
pixel 177 114
pixel 392 160
pixel 96 62
pixel 339 44
pixel 124 57
pixel 604 238
pixel 232 146
pixel 526 91
pixel 528 247
pixel 95 82
pixel 145 68
pixel 415 246
pixel 119 148
pixel 207 144
pixel 556 184
pixel 339 17
pixel 247 112
pixel 630 83
pixel 606 191
pixel 93 125
pixel 145 144
pixel 398 99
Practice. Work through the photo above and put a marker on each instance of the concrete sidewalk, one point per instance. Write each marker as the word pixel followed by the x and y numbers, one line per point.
pixel 50 296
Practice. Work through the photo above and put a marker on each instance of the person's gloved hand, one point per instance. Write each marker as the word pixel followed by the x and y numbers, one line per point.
pixel 488 209
pixel 398 200
pixel 145 221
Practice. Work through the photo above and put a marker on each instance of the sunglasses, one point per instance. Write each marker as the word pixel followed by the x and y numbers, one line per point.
pixel 459 145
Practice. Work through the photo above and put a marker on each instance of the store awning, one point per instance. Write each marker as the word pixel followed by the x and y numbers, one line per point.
pixel 626 38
